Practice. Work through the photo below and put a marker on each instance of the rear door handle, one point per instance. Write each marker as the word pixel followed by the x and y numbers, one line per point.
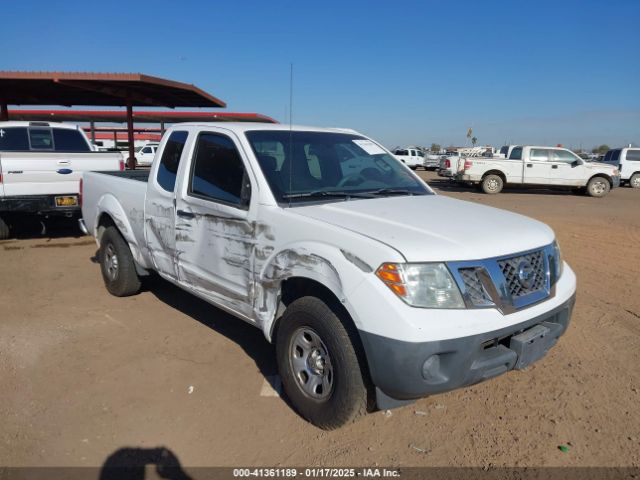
pixel 529 165
pixel 184 214
pixel 554 166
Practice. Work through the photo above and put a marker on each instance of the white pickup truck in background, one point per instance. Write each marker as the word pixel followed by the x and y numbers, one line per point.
pixel 411 157
pixel 368 299
pixel 40 166
pixel 539 166
pixel 145 154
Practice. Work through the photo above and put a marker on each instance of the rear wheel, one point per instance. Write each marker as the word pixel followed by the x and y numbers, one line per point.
pixel 598 187
pixel 318 364
pixel 634 181
pixel 117 264
pixel 492 184
pixel 4 230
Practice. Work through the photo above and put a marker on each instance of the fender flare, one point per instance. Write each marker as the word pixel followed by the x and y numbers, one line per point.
pixel 315 261
pixel 109 205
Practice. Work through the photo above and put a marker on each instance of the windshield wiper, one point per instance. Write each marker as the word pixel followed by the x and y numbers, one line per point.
pixel 391 191
pixel 328 193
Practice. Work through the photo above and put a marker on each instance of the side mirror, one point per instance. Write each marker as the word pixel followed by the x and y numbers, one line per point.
pixel 576 162
pixel 245 193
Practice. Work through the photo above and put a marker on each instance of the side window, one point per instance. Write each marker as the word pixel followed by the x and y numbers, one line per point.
pixel 516 154
pixel 14 139
pixel 217 171
pixel 67 140
pixel 539 155
pixel 563 156
pixel 168 168
pixel 146 150
pixel 633 155
pixel 40 139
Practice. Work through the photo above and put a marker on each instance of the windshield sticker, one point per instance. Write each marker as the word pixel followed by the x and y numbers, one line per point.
pixel 369 147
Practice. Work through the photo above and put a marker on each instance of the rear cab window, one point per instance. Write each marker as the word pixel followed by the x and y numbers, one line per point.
pixel 14 139
pixel 40 138
pixel 168 166
pixel 68 140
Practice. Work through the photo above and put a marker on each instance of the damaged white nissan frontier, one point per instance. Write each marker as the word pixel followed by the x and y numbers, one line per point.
pixel 375 290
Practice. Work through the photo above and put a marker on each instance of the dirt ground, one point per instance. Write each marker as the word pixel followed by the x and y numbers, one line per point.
pixel 84 374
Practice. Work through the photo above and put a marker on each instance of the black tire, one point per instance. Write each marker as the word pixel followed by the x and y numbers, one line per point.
pixel 598 187
pixel 492 184
pixel 120 278
pixel 634 181
pixel 346 397
pixel 4 230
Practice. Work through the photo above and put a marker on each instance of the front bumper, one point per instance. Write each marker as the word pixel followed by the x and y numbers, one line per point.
pixel 405 371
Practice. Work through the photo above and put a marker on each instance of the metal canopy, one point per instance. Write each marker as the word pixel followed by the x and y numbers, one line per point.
pixel 106 89
pixel 139 116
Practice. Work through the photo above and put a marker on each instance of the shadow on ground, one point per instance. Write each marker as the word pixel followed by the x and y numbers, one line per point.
pixel 131 463
pixel 451 186
pixel 249 338
pixel 25 227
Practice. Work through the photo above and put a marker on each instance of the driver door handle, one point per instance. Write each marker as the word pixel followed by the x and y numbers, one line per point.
pixel 184 214
pixel 554 166
pixel 529 165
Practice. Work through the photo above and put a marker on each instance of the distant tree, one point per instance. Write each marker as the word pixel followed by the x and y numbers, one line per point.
pixel 435 148
pixel 474 140
pixel 601 149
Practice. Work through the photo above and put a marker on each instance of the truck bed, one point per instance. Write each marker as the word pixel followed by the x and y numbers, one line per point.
pixel 139 175
pixel 125 189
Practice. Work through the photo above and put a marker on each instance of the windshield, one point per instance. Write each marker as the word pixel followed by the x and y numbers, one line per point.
pixel 299 165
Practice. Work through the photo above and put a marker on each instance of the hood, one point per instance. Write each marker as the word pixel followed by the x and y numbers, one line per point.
pixel 600 165
pixel 435 228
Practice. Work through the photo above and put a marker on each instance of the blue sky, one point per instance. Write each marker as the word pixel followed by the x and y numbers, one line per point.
pixel 404 72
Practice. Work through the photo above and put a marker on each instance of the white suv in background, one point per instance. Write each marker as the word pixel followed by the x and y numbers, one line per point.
pixel 628 162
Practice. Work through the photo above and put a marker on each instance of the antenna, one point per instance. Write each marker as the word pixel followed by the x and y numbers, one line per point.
pixel 290 131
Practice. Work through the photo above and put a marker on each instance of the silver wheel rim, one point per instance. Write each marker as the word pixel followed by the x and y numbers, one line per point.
pixel 493 185
pixel 111 262
pixel 598 187
pixel 635 181
pixel 310 363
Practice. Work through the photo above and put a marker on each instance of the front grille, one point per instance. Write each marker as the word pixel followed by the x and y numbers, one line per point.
pixel 474 288
pixel 511 269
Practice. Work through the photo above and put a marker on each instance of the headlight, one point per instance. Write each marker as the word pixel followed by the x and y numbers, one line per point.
pixel 426 285
pixel 558 259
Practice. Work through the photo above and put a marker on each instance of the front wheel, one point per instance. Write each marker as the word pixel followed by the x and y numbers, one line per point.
pixel 598 187
pixel 319 365
pixel 492 184
pixel 117 264
pixel 634 181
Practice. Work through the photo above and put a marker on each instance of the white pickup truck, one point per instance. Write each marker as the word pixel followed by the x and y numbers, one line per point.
pixel 375 290
pixel 411 157
pixel 539 166
pixel 40 166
